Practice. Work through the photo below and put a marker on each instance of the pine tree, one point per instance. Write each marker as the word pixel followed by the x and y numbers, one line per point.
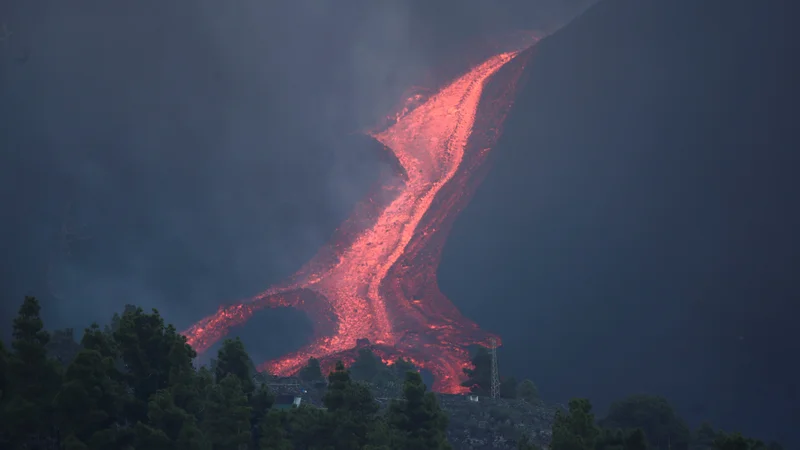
pixel 168 423
pixel 34 379
pixel 528 391
pixel 402 366
pixel 479 377
pixel 4 395
pixel 351 410
pixel 273 433
pixel 732 442
pixel 260 402
pixel 654 415
pixel 508 388
pixel 62 346
pixel 4 362
pixel 151 438
pixel 152 353
pixel 736 441
pixel 204 386
pixel 185 383
pixel 366 367
pixel 312 371
pixel 90 401
pixel 575 430
pixel 417 421
pixel 103 343
pixel 233 359
pixel 635 440
pixel 620 440
pixel 227 419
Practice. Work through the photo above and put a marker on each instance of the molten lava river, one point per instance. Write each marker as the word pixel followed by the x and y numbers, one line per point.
pixel 375 283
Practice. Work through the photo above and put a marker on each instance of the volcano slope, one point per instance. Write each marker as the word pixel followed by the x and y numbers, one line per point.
pixel 375 283
pixel 642 201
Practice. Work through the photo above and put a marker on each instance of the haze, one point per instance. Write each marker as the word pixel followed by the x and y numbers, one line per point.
pixel 183 156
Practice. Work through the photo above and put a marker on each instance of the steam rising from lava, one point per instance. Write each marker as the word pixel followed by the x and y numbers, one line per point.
pixel 378 283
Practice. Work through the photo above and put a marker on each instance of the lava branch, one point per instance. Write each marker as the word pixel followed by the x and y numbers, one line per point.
pixel 379 284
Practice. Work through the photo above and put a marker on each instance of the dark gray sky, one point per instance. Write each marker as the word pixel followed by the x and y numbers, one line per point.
pixel 205 151
pixel 643 210
pixel 208 151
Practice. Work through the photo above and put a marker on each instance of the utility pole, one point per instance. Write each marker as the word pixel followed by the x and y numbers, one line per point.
pixel 495 375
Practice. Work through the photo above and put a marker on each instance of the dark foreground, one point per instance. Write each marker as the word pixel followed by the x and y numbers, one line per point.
pixel 133 385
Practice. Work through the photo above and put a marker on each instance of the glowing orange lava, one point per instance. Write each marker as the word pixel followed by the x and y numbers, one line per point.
pixel 376 285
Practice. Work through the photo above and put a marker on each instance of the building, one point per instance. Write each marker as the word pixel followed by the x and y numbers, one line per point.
pixel 287 401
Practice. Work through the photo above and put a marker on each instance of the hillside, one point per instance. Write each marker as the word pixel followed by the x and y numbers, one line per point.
pixel 471 425
pixel 134 384
pixel 636 233
pixel 641 204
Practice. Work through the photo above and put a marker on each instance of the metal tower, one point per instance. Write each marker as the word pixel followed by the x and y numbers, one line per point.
pixel 495 374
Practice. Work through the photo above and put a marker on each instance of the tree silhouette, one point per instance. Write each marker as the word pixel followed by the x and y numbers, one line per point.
pixel 528 391
pixel 133 385
pixel 417 420
pixel 233 359
pixel 312 371
pixel 655 416
pixel 479 377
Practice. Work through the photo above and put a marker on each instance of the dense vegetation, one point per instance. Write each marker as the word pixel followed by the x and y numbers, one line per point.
pixel 133 385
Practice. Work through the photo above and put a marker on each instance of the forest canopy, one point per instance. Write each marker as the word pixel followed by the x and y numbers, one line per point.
pixel 134 384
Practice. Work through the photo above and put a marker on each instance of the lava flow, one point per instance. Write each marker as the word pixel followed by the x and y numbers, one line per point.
pixel 376 285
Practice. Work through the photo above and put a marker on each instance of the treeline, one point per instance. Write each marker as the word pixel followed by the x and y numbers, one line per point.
pixel 133 385
pixel 636 422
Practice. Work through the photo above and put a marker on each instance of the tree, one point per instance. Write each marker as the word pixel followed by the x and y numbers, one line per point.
pixel 116 319
pixel 151 438
pixel 273 433
pixel 169 426
pixel 703 437
pixel 732 442
pixel 260 402
pixel 367 365
pixel 34 379
pixel 203 386
pixel 403 366
pixel 89 406
pixel 508 388
pixel 351 410
pixel 479 378
pixel 621 440
pixel 654 415
pixel 528 391
pixel 345 395
pixel 4 394
pixel 134 386
pixel 94 339
pixel 312 371
pixel 417 422
pixel 736 441
pixel 635 440
pixel 4 362
pixel 62 346
pixel 151 351
pixel 90 401
pixel 227 423
pixel 575 430
pixel 232 359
